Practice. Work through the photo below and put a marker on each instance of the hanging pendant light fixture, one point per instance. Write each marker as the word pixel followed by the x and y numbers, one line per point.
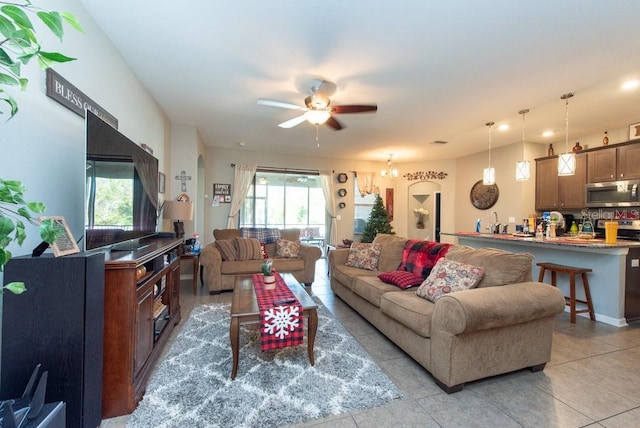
pixel 523 167
pixel 389 171
pixel 489 175
pixel 567 160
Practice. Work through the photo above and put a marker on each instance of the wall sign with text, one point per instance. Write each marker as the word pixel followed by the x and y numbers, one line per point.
pixel 221 193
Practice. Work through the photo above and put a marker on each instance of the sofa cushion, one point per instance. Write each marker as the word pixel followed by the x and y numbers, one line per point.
pixel 287 249
pixel 220 234
pixel 227 249
pixel 247 249
pixel 419 256
pixel 500 267
pixel 391 251
pixel 370 288
pixel 401 278
pixel 267 235
pixel 448 276
pixel 409 310
pixel 346 275
pixel 364 256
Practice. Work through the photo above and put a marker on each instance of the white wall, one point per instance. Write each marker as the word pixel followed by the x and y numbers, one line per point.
pixel 44 145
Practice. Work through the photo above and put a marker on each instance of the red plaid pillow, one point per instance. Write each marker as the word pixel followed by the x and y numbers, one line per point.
pixel 401 278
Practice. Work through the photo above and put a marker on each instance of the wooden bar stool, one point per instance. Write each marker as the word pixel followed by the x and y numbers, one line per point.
pixel 571 300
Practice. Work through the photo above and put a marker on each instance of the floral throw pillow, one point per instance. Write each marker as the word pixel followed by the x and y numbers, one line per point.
pixel 401 278
pixel 364 256
pixel 448 276
pixel 287 249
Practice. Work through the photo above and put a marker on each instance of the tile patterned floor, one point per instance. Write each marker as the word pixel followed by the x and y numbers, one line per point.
pixel 592 380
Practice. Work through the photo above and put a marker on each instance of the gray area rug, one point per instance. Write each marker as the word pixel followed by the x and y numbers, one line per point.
pixel 192 385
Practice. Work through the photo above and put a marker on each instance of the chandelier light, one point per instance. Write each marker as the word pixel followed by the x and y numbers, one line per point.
pixel 567 160
pixel 489 175
pixel 523 167
pixel 389 171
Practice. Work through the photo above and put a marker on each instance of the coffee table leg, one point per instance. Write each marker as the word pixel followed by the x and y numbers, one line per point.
pixel 313 327
pixel 234 335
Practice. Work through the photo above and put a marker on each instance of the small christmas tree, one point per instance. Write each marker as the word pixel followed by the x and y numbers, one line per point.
pixel 378 222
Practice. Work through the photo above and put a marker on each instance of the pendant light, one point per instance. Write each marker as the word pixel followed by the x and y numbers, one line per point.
pixel 523 168
pixel 390 171
pixel 489 175
pixel 567 160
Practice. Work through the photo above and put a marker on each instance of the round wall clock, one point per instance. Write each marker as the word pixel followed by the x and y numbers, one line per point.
pixel 342 193
pixel 484 196
pixel 342 177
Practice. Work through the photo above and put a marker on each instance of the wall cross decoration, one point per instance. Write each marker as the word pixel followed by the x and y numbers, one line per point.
pixel 183 180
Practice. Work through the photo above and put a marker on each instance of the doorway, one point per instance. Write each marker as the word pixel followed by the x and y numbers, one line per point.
pixel 424 201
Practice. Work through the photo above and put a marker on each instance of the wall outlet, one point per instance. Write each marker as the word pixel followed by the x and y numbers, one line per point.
pixel 635 262
pixel 512 219
pixel 338 217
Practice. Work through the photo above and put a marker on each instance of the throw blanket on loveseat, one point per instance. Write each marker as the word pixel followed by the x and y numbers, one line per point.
pixel 420 256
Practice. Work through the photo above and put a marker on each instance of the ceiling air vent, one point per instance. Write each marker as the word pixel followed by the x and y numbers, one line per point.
pixel 439 142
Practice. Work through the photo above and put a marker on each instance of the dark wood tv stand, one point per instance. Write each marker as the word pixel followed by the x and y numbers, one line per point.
pixel 139 314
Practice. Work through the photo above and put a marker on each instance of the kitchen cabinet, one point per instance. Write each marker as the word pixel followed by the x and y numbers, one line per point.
pixel 560 193
pixel 614 163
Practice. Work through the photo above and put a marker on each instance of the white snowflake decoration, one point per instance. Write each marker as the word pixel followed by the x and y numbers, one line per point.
pixel 280 320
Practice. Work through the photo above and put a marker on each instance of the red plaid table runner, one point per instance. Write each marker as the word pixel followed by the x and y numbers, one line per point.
pixel 282 324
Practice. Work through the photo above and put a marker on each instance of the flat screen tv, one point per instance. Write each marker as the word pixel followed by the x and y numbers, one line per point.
pixel 121 189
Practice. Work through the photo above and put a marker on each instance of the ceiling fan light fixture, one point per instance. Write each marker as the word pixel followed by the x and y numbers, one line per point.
pixel 317 117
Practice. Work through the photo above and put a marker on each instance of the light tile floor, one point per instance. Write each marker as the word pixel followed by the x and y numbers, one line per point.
pixel 592 380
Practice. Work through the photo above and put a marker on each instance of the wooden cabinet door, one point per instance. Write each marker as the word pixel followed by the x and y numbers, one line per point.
pixel 571 188
pixel 174 285
pixel 601 165
pixel 143 339
pixel 547 184
pixel 628 158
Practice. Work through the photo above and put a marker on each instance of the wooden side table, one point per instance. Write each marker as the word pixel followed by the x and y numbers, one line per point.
pixel 196 268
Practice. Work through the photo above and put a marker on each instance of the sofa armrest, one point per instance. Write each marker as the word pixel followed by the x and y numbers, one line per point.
pixel 337 257
pixel 310 254
pixel 211 259
pixel 491 307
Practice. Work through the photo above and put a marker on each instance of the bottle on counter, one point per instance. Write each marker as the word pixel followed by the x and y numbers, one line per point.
pixel 539 233
pixel 478 226
pixel 550 150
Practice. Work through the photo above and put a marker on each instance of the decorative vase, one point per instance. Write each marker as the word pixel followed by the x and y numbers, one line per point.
pixel 605 139
pixel 420 225
pixel 577 147
pixel 269 282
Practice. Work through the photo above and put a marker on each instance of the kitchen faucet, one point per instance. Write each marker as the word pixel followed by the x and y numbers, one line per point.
pixel 494 226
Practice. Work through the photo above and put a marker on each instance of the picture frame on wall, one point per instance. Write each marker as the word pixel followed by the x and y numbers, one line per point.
pixel 634 131
pixel 162 179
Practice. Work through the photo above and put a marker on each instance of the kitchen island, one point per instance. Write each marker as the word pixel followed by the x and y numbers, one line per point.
pixel 614 282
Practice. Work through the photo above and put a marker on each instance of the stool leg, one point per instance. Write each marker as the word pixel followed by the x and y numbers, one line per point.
pixel 587 293
pixel 553 278
pixel 572 294
pixel 541 276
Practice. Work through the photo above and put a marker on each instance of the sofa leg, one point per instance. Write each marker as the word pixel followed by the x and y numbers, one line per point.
pixel 449 389
pixel 538 368
pixel 213 293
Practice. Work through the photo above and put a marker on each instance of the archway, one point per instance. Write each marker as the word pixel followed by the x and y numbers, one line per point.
pixel 424 195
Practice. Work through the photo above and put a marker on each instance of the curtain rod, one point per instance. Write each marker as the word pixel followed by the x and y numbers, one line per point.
pixel 275 169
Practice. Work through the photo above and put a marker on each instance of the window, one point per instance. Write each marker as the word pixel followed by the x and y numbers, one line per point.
pixel 285 200
pixel 363 207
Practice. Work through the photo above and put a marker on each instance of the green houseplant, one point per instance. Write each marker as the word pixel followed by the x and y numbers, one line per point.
pixel 18 46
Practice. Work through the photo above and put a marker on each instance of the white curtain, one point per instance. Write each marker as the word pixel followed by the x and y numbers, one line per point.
pixel 242 181
pixel 367 183
pixel 329 196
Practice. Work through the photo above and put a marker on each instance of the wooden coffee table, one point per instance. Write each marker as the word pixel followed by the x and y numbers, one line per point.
pixel 244 310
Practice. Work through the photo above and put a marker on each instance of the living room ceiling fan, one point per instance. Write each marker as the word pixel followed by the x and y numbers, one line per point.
pixel 317 107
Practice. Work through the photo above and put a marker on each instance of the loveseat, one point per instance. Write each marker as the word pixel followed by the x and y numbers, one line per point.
pixel 220 271
pixel 502 325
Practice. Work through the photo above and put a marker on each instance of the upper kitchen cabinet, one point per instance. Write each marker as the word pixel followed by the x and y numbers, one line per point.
pixel 560 193
pixel 614 163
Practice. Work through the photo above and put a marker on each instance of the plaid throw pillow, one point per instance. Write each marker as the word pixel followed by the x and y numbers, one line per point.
pixel 262 234
pixel 401 278
pixel 448 276
pixel 420 256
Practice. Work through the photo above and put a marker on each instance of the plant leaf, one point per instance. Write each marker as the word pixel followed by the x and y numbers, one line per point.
pixel 16 287
pixel 53 21
pixel 72 20
pixel 14 185
pixel 47 232
pixel 6 27
pixel 17 14
pixel 5 255
pixel 36 207
pixel 21 234
pixel 6 226
pixel 55 56
pixel 5 59
pixel 5 79
pixel 13 105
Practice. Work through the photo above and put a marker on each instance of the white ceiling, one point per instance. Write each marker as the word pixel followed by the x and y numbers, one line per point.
pixel 438 70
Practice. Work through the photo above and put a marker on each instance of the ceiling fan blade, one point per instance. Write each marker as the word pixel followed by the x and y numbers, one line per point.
pixel 354 109
pixel 332 122
pixel 280 104
pixel 293 122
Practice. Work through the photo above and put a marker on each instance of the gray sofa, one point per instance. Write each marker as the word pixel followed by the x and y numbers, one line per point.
pixel 220 275
pixel 502 325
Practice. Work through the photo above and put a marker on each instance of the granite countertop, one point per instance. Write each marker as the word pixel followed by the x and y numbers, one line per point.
pixel 558 241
